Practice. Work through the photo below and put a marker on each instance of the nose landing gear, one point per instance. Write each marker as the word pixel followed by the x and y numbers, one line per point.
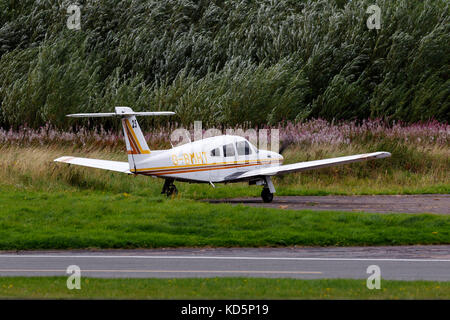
pixel 268 190
pixel 266 195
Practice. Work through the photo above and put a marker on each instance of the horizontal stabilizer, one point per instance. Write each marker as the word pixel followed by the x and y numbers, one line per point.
pixel 117 166
pixel 101 115
pixel 121 112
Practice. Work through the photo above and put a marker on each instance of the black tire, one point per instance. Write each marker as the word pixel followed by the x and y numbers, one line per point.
pixel 171 190
pixel 266 195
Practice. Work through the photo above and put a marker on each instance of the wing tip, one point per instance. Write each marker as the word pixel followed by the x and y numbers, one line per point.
pixel 63 159
pixel 384 154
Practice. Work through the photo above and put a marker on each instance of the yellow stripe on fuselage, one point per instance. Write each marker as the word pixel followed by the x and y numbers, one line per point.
pixel 267 161
pixel 135 138
pixel 204 167
pixel 168 172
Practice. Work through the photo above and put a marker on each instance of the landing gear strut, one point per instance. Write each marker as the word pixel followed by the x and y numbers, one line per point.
pixel 266 195
pixel 169 188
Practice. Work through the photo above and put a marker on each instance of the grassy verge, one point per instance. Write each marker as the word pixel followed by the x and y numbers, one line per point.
pixel 58 220
pixel 219 288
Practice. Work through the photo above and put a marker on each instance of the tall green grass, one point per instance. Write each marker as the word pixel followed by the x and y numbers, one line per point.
pixel 225 62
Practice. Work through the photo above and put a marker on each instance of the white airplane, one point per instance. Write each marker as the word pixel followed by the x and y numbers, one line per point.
pixel 220 159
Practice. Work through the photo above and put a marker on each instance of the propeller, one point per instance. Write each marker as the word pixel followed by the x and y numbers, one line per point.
pixel 284 145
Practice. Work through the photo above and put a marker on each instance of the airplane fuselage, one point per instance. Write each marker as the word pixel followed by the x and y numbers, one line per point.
pixel 215 159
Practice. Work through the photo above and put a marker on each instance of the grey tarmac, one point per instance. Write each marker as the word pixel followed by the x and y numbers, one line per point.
pixel 396 262
pixel 427 203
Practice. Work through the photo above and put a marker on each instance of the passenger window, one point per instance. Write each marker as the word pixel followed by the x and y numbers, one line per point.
pixel 228 150
pixel 243 148
pixel 215 152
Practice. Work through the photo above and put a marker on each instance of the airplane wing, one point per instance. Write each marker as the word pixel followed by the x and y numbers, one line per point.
pixel 308 165
pixel 117 166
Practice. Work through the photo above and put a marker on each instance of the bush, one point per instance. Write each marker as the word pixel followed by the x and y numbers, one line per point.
pixel 225 62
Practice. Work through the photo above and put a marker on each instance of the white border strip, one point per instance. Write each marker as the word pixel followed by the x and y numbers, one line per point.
pixel 216 258
pixel 168 271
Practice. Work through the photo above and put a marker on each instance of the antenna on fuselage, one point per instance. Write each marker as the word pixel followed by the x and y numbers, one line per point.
pixel 188 135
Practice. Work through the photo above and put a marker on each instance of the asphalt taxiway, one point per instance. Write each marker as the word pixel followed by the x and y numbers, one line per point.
pixel 427 203
pixel 398 263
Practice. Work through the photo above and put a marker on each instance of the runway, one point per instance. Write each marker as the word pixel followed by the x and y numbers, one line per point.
pixel 427 203
pixel 396 263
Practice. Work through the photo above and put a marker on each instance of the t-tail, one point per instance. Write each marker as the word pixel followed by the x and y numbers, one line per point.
pixel 137 148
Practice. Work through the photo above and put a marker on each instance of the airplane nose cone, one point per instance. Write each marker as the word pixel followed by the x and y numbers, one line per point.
pixel 280 157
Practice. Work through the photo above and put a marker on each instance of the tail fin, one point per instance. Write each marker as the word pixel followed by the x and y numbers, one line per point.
pixel 137 147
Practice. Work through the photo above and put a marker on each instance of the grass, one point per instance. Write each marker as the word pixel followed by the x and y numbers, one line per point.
pixel 87 219
pixel 218 288
pixel 419 171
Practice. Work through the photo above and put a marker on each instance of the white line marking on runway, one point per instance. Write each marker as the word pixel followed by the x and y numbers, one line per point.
pixel 168 271
pixel 222 258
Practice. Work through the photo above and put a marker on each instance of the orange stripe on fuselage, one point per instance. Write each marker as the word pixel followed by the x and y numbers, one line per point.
pixel 258 161
pixel 135 139
pixel 134 149
pixel 189 170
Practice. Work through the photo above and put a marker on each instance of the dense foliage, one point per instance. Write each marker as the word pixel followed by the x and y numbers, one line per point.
pixel 225 62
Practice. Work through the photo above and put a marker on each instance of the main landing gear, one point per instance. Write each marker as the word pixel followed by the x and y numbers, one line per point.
pixel 169 188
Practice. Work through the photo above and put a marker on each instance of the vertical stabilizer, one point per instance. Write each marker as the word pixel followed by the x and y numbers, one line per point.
pixel 137 147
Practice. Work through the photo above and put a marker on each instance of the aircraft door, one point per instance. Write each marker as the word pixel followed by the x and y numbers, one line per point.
pixel 243 152
pixel 230 158
pixel 214 157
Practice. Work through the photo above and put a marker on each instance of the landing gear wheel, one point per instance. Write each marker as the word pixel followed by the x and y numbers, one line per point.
pixel 266 195
pixel 171 190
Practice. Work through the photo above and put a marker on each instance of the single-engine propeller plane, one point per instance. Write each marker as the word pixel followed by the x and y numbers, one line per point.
pixel 219 159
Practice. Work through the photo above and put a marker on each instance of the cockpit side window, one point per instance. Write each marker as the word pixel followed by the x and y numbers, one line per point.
pixel 215 152
pixel 228 150
pixel 243 148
